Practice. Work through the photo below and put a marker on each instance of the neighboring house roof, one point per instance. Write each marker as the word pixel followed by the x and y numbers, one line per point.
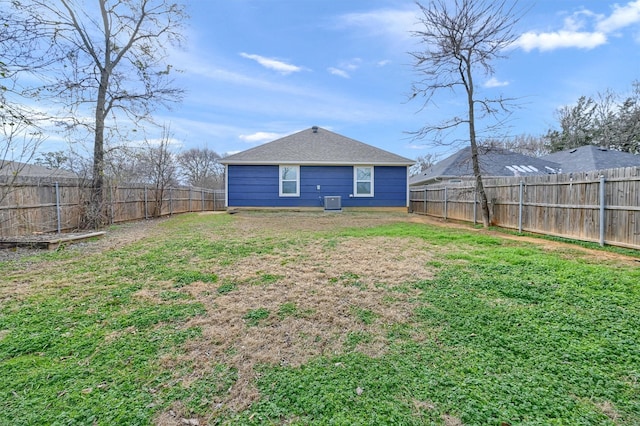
pixel 316 146
pixel 493 162
pixel 588 158
pixel 14 168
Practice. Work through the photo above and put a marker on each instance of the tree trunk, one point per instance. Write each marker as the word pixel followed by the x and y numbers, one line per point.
pixel 96 213
pixel 484 205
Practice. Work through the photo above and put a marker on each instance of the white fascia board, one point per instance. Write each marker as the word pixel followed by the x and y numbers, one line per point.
pixel 315 163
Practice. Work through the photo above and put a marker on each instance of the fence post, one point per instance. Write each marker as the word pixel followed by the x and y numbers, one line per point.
pixel 602 209
pixel 445 203
pixel 475 203
pixel 425 200
pixel 58 207
pixel 189 199
pixel 170 201
pixel 213 208
pixel 520 205
pixel 113 214
pixel 202 198
pixel 146 204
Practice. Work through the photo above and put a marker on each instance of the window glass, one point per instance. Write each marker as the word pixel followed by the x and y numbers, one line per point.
pixel 364 173
pixel 289 181
pixel 364 188
pixel 363 181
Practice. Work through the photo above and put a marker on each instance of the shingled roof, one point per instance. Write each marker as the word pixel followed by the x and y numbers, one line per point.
pixel 25 170
pixel 494 162
pixel 589 158
pixel 317 146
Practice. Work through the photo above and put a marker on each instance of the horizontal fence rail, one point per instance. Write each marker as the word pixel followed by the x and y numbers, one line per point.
pixel 32 207
pixel 602 206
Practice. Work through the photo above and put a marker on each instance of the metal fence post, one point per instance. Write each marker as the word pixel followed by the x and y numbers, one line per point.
pixel 58 212
pixel 520 205
pixel 602 209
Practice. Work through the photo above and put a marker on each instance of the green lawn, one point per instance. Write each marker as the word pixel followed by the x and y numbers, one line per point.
pixel 304 318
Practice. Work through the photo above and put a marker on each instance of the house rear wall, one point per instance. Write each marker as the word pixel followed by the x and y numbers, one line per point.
pixel 257 186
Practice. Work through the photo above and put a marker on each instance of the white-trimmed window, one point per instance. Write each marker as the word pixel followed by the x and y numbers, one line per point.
pixel 289 181
pixel 363 181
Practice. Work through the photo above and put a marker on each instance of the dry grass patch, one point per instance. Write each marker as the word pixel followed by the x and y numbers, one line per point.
pixel 323 298
pixel 609 410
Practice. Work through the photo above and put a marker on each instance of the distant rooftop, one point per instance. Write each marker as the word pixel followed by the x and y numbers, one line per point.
pixel 10 168
pixel 494 162
pixel 588 158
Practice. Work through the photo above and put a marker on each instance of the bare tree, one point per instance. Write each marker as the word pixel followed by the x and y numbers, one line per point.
pixel 20 130
pixel 534 146
pixel 462 38
pixel 423 162
pixel 201 167
pixel 20 138
pixel 101 59
pixel 52 159
pixel 157 167
pixel 605 117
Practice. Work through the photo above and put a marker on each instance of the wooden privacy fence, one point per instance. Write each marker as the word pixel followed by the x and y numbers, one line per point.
pixel 43 207
pixel 601 206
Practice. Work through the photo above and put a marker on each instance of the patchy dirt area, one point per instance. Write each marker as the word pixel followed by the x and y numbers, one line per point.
pixel 114 237
pixel 318 298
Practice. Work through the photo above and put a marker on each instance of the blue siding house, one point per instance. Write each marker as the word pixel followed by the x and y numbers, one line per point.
pixel 314 167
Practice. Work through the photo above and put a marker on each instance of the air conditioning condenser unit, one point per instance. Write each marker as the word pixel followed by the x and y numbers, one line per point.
pixel 333 203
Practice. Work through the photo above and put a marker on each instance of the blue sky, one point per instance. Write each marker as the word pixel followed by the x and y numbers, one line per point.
pixel 257 70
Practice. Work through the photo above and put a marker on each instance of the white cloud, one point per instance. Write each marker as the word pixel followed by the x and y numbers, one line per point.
pixel 494 82
pixel 394 25
pixel 583 29
pixel 580 20
pixel 621 17
pixel 338 72
pixel 417 147
pixel 273 64
pixel 383 63
pixel 258 137
pixel 560 39
pixel 345 68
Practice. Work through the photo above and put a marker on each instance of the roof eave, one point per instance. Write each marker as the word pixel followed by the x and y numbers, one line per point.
pixel 317 163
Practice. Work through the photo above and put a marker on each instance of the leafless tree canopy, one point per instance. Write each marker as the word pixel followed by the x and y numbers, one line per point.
pixel 533 146
pixel 158 167
pixel 423 162
pixel 101 59
pixel 20 130
pixel 201 167
pixel 461 38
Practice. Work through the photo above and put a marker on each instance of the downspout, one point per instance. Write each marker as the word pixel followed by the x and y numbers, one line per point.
pixel 226 186
pixel 408 191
